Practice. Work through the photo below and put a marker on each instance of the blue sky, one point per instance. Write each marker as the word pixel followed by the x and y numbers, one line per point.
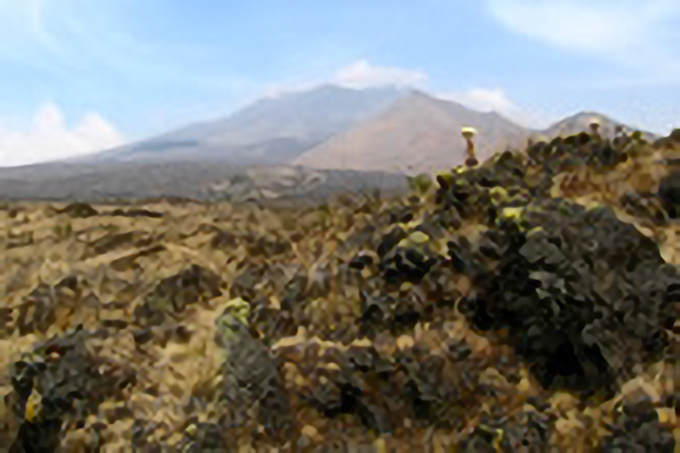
pixel 80 75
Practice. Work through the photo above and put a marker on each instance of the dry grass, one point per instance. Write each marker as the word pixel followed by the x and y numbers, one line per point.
pixel 119 260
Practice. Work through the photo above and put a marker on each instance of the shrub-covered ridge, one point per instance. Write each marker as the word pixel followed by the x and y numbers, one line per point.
pixel 523 304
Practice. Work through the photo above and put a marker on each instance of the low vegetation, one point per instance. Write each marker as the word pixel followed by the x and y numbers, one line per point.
pixel 528 303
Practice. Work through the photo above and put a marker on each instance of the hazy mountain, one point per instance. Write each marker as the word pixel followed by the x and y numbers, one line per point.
pixel 301 145
pixel 270 131
pixel 418 133
pixel 581 121
pixel 385 129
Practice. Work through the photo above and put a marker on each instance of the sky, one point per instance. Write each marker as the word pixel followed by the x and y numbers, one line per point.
pixel 77 76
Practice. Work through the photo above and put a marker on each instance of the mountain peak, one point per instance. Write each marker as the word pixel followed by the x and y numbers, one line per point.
pixel 270 131
pixel 580 122
pixel 418 133
pixel 418 94
pixel 320 126
pixel 589 115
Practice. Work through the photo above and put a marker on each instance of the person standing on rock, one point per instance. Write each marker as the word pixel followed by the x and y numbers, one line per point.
pixel 468 134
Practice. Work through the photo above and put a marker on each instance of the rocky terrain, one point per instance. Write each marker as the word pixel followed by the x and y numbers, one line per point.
pixel 526 304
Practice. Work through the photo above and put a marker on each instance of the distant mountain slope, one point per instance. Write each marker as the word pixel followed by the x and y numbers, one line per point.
pixel 270 131
pixel 199 180
pixel 417 134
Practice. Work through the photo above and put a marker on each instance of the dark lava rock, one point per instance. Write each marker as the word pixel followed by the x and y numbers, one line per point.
pixel 574 293
pixel 206 437
pixel 79 210
pixel 68 378
pixel 136 213
pixel 669 193
pixel 638 430
pixel 173 294
pixel 251 377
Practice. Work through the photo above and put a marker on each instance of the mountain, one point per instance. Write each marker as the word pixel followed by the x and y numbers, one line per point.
pixel 331 127
pixel 301 145
pixel 418 133
pixel 270 131
pixel 581 122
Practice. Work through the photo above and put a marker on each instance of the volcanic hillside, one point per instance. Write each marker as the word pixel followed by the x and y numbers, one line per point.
pixel 527 304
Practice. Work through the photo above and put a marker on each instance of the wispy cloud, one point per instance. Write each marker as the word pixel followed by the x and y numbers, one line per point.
pixel 356 75
pixel 22 37
pixel 49 138
pixel 362 74
pixel 639 35
pixel 483 99
pixel 76 37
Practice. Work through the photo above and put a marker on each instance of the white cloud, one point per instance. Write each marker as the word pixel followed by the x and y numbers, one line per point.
pixel 358 75
pixel 484 100
pixel 638 34
pixel 275 90
pixel 49 138
pixel 362 74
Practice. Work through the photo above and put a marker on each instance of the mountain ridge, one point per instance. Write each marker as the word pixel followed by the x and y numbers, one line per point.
pixel 367 143
pixel 291 127
pixel 419 133
pixel 299 120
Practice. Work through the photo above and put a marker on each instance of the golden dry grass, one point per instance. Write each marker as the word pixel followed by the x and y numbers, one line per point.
pixel 119 260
